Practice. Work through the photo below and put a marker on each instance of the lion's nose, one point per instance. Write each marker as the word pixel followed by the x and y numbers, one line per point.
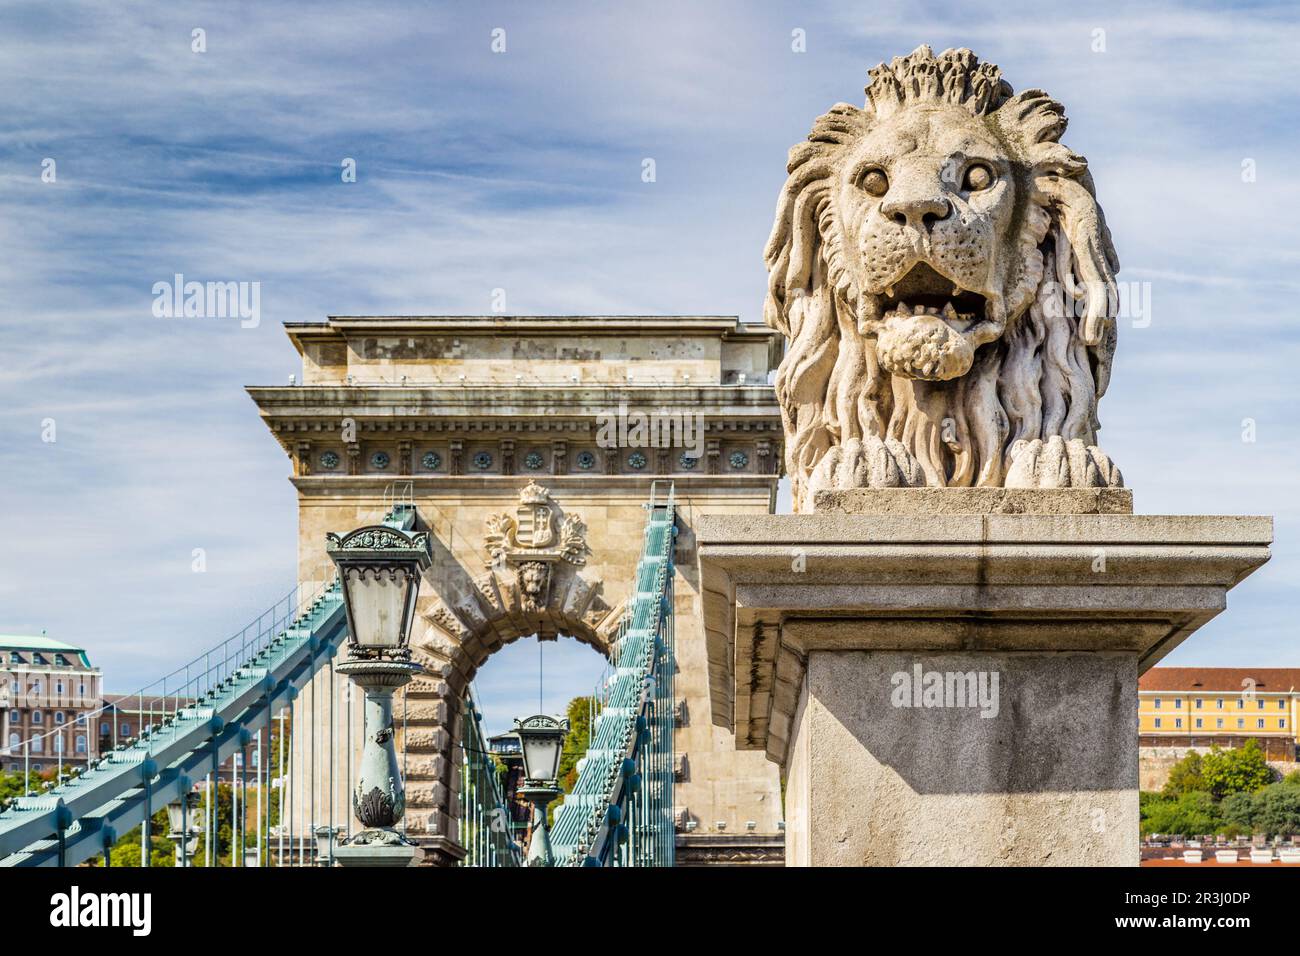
pixel 920 213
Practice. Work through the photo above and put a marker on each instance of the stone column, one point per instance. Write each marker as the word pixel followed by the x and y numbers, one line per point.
pixel 949 676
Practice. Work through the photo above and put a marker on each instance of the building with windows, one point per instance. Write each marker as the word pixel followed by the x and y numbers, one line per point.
pixel 1220 706
pixel 49 692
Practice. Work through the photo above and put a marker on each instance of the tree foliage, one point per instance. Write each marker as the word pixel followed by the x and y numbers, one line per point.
pixel 1239 770
pixel 1189 814
pixel 1185 776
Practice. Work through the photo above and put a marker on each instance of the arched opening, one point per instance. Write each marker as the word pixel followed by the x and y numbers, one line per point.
pixel 559 678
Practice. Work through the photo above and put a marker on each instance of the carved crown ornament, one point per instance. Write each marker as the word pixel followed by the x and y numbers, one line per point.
pixel 532 539
pixel 533 579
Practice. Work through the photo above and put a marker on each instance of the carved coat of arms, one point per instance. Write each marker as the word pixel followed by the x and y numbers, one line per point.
pixel 532 540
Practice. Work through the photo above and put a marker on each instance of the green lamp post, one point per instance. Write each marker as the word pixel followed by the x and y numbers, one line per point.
pixel 379 569
pixel 541 739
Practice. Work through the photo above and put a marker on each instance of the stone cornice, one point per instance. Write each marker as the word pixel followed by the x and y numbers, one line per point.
pixel 368 398
pixel 366 485
pixel 932 583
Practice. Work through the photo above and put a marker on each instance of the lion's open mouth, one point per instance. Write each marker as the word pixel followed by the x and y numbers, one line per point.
pixel 923 291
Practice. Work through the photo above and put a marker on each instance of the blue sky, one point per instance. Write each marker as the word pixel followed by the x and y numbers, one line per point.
pixel 522 170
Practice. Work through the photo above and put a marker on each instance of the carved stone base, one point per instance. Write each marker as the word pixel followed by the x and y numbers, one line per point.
pixel 727 849
pixel 378 847
pixel 948 684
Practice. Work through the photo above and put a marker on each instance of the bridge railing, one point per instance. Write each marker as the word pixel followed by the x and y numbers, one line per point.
pixel 194 718
pixel 486 828
pixel 620 809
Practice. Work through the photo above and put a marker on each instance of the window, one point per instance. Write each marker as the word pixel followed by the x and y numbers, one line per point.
pixel 125 730
pixel 104 729
pixel 58 717
pixel 1240 703
pixel 58 687
pixel 1260 723
pixel 1198 723
pixel 1261 703
pixel 1199 703
pixel 38 744
pixel 1281 704
pixel 15 741
pixel 1178 703
pixel 58 743
pixel 1220 703
pixel 36 688
pixel 1178 722
pixel 1157 723
pixel 15 658
pixel 1281 723
pixel 1157 703
pixel 1240 723
pixel 1219 723
pixel 60 660
pixel 38 658
pixel 81 743
pixel 15 716
pixel 37 717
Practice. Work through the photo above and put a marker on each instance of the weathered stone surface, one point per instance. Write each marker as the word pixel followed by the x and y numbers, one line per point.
pixel 1045 582
pixel 1049 779
pixel 452 399
pixel 946 281
pixel 975 501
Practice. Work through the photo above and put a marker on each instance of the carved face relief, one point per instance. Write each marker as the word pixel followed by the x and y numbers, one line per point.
pixel 922 201
pixel 534 578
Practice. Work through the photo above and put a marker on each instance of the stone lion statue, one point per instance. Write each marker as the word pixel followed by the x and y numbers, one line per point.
pixel 945 280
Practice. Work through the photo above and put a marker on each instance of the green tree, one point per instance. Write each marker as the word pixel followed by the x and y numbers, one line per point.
pixel 1241 770
pixel 13 784
pixel 1238 810
pixel 1277 810
pixel 1185 776
pixel 1190 814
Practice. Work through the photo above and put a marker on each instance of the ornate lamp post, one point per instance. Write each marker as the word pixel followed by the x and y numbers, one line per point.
pixel 380 571
pixel 184 829
pixel 542 739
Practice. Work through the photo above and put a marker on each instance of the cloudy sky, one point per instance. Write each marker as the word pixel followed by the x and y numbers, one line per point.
pixel 521 170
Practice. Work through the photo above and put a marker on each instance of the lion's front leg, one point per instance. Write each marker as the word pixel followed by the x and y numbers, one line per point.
pixel 866 463
pixel 1057 463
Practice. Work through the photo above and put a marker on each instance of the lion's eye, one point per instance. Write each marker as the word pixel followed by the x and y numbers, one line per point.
pixel 978 177
pixel 874 182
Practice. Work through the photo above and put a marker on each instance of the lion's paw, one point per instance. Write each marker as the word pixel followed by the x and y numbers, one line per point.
pixel 866 463
pixel 1057 463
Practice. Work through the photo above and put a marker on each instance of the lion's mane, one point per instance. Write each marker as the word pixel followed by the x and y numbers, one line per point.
pixel 1041 378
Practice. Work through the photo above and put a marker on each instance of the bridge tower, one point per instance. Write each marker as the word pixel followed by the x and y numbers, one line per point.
pixel 484 420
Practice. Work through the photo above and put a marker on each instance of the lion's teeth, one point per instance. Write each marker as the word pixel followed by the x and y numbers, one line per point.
pixel 949 312
pixel 956 289
pixel 889 291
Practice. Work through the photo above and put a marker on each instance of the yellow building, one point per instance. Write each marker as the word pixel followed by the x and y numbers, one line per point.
pixel 1220 706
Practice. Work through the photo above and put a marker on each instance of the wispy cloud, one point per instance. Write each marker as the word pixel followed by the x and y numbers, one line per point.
pixel 521 171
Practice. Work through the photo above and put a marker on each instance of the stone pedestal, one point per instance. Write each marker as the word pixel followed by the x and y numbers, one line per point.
pixel 398 854
pixel 949 676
